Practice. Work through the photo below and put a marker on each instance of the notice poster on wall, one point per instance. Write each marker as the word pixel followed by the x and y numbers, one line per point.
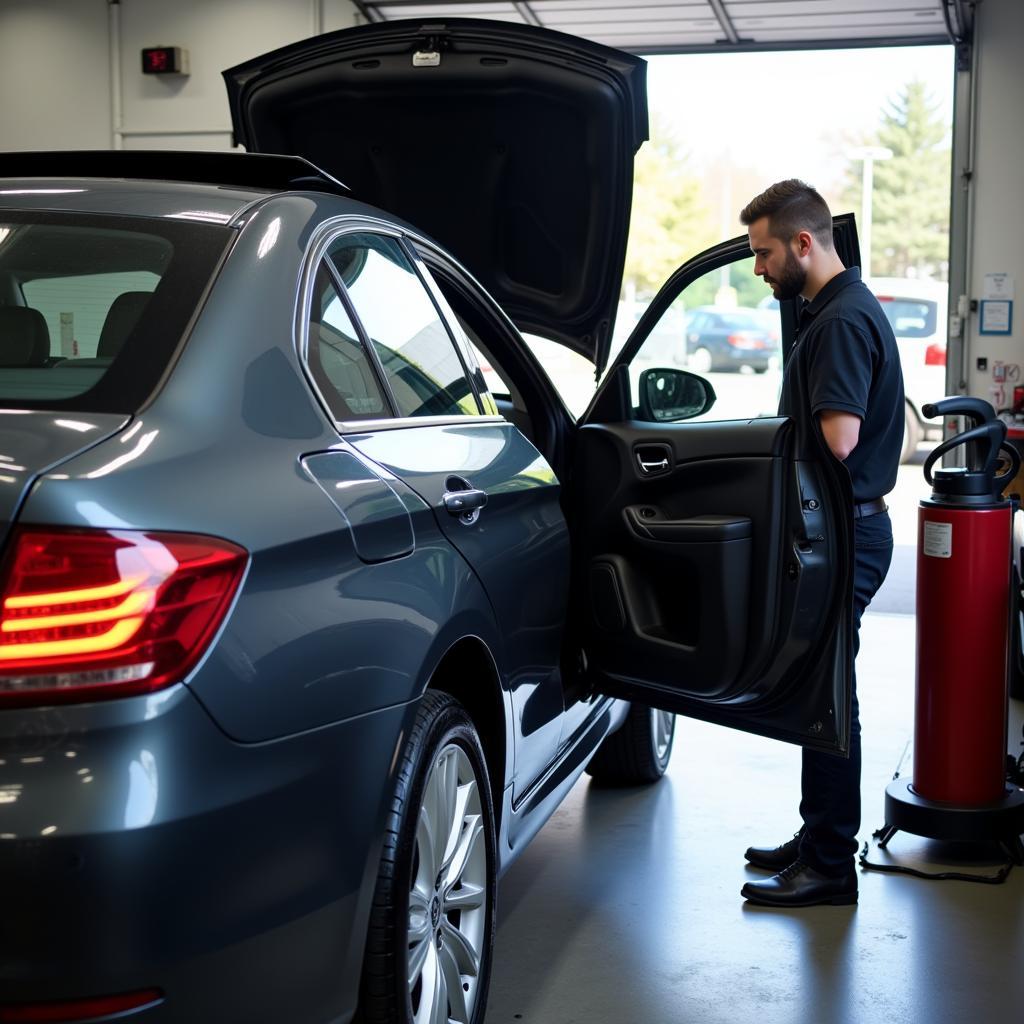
pixel 996 316
pixel 998 286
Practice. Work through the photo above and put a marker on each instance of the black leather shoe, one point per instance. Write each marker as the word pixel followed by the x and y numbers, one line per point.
pixel 799 885
pixel 775 859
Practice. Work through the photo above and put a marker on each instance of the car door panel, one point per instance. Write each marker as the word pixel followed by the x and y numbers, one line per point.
pixel 677 564
pixel 715 561
pixel 518 547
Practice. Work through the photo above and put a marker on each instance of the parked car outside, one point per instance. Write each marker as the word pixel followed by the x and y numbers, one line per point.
pixel 720 339
pixel 304 634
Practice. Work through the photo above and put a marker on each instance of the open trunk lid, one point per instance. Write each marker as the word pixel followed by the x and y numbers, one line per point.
pixel 511 145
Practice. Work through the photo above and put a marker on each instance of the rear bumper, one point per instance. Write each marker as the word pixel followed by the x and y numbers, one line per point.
pixel 141 848
pixel 758 358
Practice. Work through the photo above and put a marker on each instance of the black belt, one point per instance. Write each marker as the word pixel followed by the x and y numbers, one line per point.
pixel 864 509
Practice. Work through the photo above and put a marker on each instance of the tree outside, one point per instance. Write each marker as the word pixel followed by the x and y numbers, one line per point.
pixel 910 198
pixel 679 210
pixel 670 222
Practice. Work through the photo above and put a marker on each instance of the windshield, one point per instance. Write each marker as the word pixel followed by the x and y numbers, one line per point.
pixel 92 309
pixel 910 318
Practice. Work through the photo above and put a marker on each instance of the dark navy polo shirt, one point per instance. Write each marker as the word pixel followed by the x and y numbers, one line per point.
pixel 853 365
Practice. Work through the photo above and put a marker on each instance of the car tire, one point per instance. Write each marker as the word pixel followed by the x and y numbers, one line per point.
pixel 701 360
pixel 911 434
pixel 431 935
pixel 638 752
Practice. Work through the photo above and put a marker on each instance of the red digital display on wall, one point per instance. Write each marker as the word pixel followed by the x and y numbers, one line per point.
pixel 161 60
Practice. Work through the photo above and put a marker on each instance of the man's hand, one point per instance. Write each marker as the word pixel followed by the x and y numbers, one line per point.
pixel 841 430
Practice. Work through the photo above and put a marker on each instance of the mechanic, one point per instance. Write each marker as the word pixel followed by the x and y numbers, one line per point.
pixel 843 378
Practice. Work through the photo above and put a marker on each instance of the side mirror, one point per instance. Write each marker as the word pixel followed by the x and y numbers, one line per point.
pixel 667 395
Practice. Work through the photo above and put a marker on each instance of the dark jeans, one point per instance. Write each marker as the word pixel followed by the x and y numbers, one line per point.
pixel 830 785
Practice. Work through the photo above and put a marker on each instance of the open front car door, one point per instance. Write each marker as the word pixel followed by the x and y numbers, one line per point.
pixel 714 556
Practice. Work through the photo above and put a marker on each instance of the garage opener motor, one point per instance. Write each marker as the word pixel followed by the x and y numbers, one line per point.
pixel 959 790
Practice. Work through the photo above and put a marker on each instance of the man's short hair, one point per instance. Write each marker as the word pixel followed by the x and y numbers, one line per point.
pixel 791 206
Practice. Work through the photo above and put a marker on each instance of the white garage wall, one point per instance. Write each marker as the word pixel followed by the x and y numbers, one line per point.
pixel 54 74
pixel 55 67
pixel 998 184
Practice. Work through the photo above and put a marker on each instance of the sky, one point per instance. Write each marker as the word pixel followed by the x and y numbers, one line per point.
pixel 788 114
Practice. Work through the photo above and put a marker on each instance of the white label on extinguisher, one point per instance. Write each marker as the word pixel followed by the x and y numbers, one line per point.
pixel 938 540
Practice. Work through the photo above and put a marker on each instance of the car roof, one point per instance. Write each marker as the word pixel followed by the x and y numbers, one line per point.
pixel 211 187
pixel 728 310
pixel 908 287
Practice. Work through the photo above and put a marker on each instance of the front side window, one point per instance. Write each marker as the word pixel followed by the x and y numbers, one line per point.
pixel 92 308
pixel 417 355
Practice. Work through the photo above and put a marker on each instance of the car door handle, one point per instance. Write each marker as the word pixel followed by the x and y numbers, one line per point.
pixel 652 459
pixel 465 505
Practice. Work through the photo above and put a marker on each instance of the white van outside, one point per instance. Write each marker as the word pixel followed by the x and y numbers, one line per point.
pixel 917 311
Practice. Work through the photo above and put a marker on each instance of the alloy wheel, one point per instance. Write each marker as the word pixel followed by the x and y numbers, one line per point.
pixel 663 725
pixel 448 898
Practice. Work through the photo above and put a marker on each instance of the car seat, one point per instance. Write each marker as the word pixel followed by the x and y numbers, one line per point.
pixel 24 337
pixel 123 315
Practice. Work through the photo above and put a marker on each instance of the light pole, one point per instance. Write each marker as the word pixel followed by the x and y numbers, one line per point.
pixel 869 154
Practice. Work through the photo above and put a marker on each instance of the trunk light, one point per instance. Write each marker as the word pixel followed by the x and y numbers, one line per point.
pixel 935 355
pixel 92 614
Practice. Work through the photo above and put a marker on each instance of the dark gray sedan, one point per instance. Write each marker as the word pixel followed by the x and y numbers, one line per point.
pixel 303 632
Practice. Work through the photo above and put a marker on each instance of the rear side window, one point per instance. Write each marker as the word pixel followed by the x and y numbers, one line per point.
pixel 910 318
pixel 337 361
pixel 423 370
pixel 93 308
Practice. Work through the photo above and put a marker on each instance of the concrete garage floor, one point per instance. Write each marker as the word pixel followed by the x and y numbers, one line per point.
pixel 626 908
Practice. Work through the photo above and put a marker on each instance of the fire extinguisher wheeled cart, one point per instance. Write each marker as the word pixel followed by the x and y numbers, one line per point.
pixel 959 790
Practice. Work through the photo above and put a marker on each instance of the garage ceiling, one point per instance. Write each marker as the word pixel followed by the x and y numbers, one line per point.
pixel 700 26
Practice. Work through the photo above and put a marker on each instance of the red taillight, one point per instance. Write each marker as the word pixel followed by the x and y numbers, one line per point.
pixel 90 614
pixel 935 354
pixel 747 341
pixel 77 1010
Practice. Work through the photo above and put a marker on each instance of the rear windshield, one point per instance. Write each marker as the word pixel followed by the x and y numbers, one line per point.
pixel 92 309
pixel 910 318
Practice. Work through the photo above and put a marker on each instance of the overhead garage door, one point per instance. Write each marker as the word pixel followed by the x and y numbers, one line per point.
pixel 693 26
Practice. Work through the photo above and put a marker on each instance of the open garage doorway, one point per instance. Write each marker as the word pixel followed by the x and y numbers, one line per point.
pixel 872 130
pixel 856 100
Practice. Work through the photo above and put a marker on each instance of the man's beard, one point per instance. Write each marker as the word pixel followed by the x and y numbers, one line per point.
pixel 790 283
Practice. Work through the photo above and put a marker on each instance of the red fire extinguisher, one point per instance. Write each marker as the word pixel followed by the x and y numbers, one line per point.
pixel 959 790
pixel 963 597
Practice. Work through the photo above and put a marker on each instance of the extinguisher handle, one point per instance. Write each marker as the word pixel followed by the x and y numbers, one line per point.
pixel 993 433
pixel 1014 459
pixel 977 410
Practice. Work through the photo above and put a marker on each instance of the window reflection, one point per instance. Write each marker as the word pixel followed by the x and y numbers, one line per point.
pixel 411 342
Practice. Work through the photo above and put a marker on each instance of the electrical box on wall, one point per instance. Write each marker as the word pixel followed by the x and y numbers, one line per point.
pixel 164 60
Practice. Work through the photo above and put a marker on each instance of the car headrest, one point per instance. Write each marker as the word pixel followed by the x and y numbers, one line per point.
pixel 122 317
pixel 24 337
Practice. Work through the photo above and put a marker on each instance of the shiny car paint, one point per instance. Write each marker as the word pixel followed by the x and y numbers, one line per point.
pixel 235 818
